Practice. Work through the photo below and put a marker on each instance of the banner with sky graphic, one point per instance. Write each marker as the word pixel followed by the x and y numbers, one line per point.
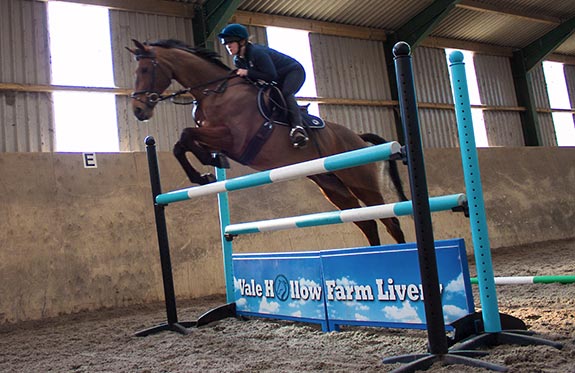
pixel 370 286
pixel 280 285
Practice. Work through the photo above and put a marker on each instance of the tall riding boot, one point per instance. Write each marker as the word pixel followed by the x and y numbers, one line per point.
pixel 298 134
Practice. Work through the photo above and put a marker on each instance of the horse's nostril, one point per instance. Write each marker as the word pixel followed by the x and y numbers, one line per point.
pixel 139 113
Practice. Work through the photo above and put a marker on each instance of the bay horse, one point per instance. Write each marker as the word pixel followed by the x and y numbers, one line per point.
pixel 228 119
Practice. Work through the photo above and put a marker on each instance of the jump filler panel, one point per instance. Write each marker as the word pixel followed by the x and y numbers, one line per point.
pixel 370 286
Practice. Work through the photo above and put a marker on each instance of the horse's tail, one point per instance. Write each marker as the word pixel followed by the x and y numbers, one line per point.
pixel 393 171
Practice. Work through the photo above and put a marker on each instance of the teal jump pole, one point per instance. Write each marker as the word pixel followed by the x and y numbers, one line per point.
pixel 474 192
pixel 227 250
pixel 344 216
pixel 315 166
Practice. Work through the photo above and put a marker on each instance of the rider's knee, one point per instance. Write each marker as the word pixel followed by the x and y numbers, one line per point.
pixel 178 149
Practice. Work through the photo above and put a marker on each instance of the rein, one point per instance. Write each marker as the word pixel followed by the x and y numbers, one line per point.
pixel 153 97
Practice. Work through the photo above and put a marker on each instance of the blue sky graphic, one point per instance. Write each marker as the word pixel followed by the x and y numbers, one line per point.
pixel 359 267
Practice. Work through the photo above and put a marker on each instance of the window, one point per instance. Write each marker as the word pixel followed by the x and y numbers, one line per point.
pixel 559 99
pixel 81 55
pixel 295 43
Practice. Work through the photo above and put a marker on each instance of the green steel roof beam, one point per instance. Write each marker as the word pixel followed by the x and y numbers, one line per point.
pixel 419 27
pixel 523 83
pixel 218 13
pixel 535 52
pixel 210 18
pixel 523 61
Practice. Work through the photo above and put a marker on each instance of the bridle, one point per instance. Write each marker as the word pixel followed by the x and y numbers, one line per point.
pixel 152 97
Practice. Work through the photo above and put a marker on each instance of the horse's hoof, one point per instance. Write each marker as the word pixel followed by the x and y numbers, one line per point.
pixel 207 179
pixel 220 160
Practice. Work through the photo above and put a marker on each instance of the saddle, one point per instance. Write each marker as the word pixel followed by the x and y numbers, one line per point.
pixel 271 105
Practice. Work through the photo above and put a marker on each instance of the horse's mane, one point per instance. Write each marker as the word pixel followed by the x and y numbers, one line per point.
pixel 206 54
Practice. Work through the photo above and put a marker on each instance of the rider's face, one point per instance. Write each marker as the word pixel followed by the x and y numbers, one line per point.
pixel 233 48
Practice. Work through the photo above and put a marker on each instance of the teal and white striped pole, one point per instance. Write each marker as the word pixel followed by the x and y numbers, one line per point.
pixel 474 192
pixel 344 216
pixel 317 166
pixel 227 249
pixel 524 280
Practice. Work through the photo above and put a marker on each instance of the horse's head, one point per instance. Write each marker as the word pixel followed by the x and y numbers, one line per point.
pixel 152 80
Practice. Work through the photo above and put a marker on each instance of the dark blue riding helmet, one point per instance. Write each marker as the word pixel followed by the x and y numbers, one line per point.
pixel 233 32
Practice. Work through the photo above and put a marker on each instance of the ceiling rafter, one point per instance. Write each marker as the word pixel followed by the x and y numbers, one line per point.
pixel 326 28
pixel 187 9
pixel 499 9
pixel 190 8
pixel 535 52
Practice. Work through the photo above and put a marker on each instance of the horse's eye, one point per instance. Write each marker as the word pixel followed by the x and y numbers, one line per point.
pixel 144 70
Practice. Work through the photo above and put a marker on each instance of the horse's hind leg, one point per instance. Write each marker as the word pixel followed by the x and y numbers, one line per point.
pixel 336 192
pixel 364 183
pixel 371 198
pixel 394 229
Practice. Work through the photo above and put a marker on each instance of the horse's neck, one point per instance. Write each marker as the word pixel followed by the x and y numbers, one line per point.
pixel 192 71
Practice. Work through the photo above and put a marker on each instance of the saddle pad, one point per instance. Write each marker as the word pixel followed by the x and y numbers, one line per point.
pixel 312 121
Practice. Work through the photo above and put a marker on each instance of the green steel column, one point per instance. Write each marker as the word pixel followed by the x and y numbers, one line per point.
pixel 523 91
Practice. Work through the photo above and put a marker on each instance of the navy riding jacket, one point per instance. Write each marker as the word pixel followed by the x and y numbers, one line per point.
pixel 266 64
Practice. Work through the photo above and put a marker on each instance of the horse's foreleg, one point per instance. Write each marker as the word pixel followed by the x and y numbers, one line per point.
pixel 192 140
pixel 194 176
pixel 338 194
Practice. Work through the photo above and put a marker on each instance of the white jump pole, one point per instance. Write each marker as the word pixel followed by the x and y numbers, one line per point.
pixel 524 280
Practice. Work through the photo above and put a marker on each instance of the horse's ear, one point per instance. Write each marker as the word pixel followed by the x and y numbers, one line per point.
pixel 139 45
pixel 131 51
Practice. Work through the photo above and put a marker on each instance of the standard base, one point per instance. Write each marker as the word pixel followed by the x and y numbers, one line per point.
pixel 424 361
pixel 514 337
pixel 472 325
pixel 179 327
pixel 216 314
pixel 469 335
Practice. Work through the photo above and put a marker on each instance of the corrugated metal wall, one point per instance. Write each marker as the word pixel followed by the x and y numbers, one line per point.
pixel 169 119
pixel 541 97
pixel 353 69
pixel 26 119
pixel 496 88
pixel 438 126
pixel 345 68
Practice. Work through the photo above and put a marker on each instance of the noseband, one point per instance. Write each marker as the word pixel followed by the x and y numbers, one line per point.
pixel 152 97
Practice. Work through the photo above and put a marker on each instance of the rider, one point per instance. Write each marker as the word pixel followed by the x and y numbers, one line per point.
pixel 259 62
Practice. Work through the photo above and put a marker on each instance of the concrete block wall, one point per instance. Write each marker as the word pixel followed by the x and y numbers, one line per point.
pixel 75 238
